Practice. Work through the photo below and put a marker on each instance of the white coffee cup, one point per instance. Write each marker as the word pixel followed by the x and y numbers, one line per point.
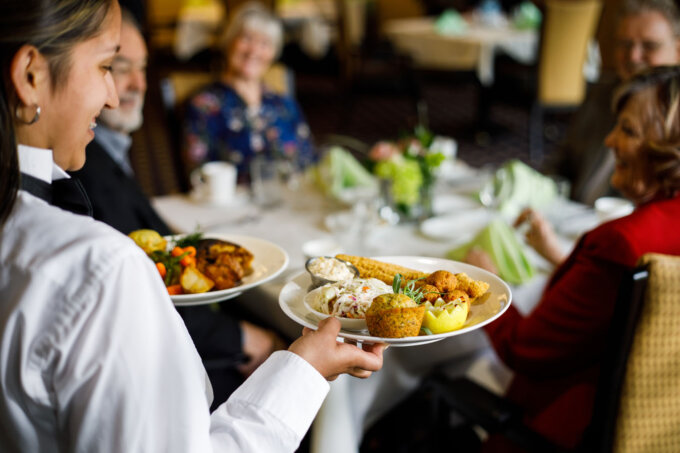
pixel 214 182
pixel 610 208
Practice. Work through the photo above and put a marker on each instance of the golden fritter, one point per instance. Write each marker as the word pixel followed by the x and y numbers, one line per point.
pixel 474 288
pixel 444 281
pixel 456 294
pixel 430 292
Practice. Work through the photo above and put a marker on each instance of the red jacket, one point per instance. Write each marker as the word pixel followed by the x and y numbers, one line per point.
pixel 555 352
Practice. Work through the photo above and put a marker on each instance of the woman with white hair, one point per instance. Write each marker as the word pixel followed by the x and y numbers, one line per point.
pixel 238 117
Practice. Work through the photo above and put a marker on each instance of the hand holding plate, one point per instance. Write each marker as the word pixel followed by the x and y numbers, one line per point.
pixel 332 358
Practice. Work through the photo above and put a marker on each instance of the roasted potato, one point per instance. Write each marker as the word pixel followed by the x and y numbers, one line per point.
pixel 194 281
pixel 149 240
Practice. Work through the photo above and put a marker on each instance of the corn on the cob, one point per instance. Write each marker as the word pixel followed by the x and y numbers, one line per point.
pixel 370 268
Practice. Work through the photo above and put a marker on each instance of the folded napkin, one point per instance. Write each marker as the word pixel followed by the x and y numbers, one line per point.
pixel 526 16
pixel 516 186
pixel 339 171
pixel 450 22
pixel 507 252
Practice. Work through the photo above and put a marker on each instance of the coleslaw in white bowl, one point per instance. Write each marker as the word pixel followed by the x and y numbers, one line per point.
pixel 347 300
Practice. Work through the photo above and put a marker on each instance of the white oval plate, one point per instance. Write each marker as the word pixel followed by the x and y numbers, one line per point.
pixel 460 226
pixel 269 260
pixel 489 307
pixel 346 323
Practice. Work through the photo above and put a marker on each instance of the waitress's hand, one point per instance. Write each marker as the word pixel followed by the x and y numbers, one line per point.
pixel 541 236
pixel 332 358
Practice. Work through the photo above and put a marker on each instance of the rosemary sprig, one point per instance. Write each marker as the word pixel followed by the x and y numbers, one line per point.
pixel 189 240
pixel 409 289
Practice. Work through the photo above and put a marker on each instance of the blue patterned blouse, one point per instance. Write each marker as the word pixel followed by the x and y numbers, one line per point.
pixel 220 126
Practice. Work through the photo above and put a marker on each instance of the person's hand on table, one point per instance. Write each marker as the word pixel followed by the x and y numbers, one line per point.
pixel 541 236
pixel 332 358
pixel 258 344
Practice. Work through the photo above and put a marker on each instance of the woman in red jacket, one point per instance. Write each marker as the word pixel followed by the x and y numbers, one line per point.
pixel 555 351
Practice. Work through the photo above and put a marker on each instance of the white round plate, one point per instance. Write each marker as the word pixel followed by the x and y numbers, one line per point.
pixel 460 226
pixel 484 310
pixel 350 324
pixel 269 260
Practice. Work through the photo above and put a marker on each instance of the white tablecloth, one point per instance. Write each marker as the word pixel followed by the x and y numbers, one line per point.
pixel 353 404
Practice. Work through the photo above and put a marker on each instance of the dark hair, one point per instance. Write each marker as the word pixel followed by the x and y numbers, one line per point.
pixel 128 18
pixel 667 8
pixel 54 27
pixel 661 120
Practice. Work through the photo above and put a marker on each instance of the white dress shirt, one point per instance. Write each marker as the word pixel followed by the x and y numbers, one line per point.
pixel 94 357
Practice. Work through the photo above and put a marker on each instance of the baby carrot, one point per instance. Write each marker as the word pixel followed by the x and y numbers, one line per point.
pixel 174 289
pixel 161 269
pixel 177 251
pixel 188 261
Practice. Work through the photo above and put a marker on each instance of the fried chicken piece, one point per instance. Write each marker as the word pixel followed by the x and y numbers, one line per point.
pixel 224 262
pixel 474 288
pixel 456 294
pixel 226 272
pixel 430 292
pixel 444 281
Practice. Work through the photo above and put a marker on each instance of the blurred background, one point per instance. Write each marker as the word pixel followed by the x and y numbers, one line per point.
pixel 372 69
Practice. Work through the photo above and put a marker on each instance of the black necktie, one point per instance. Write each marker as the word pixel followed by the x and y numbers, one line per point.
pixel 67 193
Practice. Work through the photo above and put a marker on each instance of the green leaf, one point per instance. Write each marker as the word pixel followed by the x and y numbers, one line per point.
pixel 426 331
pixel 396 283
pixel 189 240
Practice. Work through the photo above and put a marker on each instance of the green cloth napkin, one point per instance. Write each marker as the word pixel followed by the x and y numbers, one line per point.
pixel 338 170
pixel 507 252
pixel 527 16
pixel 450 22
pixel 516 186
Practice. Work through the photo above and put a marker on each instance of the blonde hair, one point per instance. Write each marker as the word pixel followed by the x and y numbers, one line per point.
pixel 255 17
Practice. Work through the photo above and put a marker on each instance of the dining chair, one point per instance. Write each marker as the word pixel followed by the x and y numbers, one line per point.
pixel 561 85
pixel 162 22
pixel 369 64
pixel 637 402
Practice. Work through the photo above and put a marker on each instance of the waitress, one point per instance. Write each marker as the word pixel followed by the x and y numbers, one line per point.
pixel 93 357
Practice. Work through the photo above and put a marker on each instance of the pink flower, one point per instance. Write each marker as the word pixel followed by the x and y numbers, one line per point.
pixel 383 151
pixel 198 150
pixel 290 149
pixel 412 146
pixel 207 103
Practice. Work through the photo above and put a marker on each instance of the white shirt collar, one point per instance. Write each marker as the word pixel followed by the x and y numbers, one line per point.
pixel 39 163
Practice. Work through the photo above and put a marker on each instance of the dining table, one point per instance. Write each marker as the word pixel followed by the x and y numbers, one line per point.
pixel 306 222
pixel 473 47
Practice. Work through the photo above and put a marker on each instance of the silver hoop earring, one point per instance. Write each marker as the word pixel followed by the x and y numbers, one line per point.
pixel 36 117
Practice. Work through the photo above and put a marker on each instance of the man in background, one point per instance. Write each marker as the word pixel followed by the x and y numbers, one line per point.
pixel 647 34
pixel 230 349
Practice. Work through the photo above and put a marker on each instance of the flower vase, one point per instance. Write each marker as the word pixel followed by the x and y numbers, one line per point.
pixel 394 212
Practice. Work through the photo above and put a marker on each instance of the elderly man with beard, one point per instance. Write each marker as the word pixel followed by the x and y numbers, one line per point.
pixel 647 34
pixel 230 349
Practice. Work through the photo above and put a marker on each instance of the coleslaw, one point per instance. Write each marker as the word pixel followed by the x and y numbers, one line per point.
pixel 349 298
